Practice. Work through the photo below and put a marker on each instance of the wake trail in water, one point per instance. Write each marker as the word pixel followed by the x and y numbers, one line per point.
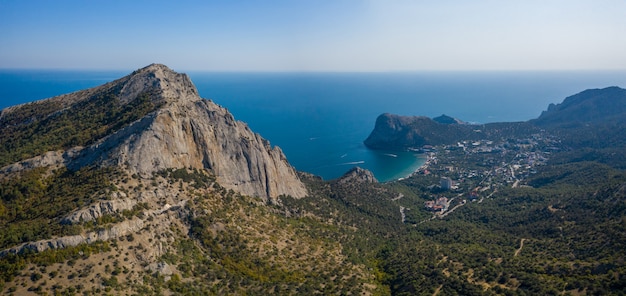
pixel 351 163
pixel 342 164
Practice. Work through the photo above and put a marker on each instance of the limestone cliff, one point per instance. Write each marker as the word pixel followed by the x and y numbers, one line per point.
pixel 191 132
pixel 395 132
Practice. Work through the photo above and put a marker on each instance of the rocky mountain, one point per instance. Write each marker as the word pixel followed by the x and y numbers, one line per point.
pixel 357 175
pixel 395 132
pixel 141 186
pixel 178 130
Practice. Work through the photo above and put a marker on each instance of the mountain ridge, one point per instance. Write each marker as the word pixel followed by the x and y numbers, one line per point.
pixel 592 106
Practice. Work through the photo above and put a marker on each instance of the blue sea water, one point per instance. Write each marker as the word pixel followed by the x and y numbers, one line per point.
pixel 321 119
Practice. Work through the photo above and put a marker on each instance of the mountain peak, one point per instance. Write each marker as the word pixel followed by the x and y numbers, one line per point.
pixel 155 67
pixel 160 81
pixel 358 175
pixel 190 132
pixel 445 119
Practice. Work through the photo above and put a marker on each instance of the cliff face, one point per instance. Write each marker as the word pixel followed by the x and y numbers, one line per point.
pixel 184 131
pixel 395 132
pixel 139 169
pixel 190 132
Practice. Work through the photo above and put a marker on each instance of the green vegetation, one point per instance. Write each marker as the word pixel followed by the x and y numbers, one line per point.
pixel 240 245
pixel 12 265
pixel 573 239
pixel 552 237
pixel 33 202
pixel 36 128
pixel 197 179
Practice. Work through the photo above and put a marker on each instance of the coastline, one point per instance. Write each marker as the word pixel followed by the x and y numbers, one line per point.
pixel 424 159
pixel 423 169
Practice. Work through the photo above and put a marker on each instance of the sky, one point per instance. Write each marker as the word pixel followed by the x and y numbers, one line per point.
pixel 315 35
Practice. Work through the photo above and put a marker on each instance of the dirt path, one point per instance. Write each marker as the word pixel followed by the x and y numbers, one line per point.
pixel 438 290
pixel 521 245
pixel 400 195
pixel 488 196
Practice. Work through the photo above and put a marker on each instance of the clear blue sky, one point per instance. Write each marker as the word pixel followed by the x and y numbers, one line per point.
pixel 315 35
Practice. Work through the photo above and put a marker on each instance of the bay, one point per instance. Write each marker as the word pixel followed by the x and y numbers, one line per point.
pixel 321 119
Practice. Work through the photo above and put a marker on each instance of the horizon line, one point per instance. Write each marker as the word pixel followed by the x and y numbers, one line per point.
pixel 182 70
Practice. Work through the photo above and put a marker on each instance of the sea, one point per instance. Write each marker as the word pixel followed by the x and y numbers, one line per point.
pixel 320 120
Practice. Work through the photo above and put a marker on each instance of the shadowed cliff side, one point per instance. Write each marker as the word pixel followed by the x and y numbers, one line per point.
pixel 395 132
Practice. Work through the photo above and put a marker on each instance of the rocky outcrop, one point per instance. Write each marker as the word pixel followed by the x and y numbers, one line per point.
pixel 53 159
pixel 357 175
pixel 161 267
pixel 99 209
pixel 156 220
pixel 160 82
pixel 115 231
pixel 191 132
pixel 395 132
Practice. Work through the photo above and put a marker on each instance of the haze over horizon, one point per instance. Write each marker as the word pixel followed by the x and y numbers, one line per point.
pixel 322 35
